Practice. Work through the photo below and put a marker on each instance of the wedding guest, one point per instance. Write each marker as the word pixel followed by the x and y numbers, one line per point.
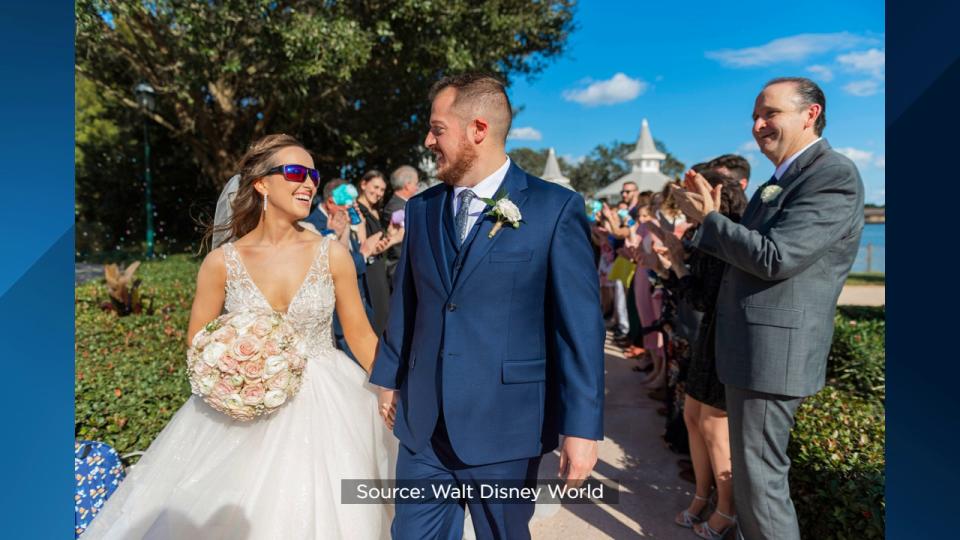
pixel 330 219
pixel 733 166
pixel 647 298
pixel 787 261
pixel 705 406
pixel 405 182
pixel 372 187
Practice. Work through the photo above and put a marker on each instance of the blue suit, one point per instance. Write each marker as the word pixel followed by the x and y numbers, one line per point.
pixel 319 220
pixel 496 346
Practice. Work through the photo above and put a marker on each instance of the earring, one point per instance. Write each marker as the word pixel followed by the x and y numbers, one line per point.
pixel 264 202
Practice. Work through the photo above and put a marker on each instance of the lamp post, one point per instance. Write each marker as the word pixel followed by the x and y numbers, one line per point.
pixel 146 99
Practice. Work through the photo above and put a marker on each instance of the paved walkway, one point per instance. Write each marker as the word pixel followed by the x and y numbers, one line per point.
pixel 863 295
pixel 632 453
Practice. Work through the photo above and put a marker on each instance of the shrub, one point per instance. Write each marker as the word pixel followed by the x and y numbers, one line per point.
pixel 130 371
pixel 858 357
pixel 837 478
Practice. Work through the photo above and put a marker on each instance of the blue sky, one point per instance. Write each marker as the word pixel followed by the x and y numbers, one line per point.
pixel 693 70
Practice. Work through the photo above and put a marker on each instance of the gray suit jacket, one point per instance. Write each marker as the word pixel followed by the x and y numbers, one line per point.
pixel 788 259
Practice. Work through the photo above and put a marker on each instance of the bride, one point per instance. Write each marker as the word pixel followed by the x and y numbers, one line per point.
pixel 278 476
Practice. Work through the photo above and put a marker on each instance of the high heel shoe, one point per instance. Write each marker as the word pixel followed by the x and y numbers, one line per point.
pixel 707 532
pixel 688 519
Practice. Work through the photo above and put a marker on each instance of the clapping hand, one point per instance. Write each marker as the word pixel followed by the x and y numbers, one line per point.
pixel 697 199
pixel 671 242
pixel 371 244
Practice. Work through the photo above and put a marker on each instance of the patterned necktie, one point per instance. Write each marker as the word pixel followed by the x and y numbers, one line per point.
pixel 463 212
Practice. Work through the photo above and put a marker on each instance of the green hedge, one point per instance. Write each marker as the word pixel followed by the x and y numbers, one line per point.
pixel 858 357
pixel 837 478
pixel 130 371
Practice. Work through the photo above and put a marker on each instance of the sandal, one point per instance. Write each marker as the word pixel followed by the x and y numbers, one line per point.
pixel 688 519
pixel 707 532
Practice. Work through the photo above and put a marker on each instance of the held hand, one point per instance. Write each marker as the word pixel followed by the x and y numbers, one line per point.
pixel 388 407
pixel 577 459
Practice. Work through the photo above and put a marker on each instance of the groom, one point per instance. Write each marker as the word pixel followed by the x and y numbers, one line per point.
pixel 494 345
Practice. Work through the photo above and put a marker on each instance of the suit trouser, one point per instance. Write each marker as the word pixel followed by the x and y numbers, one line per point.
pixel 436 518
pixel 760 425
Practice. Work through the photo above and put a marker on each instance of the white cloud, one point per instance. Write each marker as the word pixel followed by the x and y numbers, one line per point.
pixel 823 73
pixel 789 49
pixel 866 87
pixel 524 134
pixel 617 89
pixel 860 157
pixel 880 162
pixel 871 62
pixel 749 146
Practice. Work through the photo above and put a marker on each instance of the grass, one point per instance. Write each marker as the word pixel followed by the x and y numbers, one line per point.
pixel 867 278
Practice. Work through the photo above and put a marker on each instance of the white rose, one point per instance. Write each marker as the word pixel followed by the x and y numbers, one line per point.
pixel 770 193
pixel 213 352
pixel 243 320
pixel 508 210
pixel 207 383
pixel 233 401
pixel 274 365
pixel 274 398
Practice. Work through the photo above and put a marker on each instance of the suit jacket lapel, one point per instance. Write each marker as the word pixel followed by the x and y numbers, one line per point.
pixel 789 176
pixel 478 242
pixel 802 162
pixel 434 208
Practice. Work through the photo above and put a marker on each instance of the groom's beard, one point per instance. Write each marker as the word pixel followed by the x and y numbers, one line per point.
pixel 454 172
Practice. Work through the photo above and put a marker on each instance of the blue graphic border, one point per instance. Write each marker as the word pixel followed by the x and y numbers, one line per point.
pixel 36 277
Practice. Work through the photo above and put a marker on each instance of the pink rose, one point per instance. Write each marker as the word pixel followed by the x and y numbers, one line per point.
pixel 246 347
pixel 252 369
pixel 262 327
pixel 252 394
pixel 221 390
pixel 271 347
pixel 225 334
pixel 227 364
pixel 280 381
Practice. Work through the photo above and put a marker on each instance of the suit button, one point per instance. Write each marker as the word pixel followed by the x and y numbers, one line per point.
pixel 451 307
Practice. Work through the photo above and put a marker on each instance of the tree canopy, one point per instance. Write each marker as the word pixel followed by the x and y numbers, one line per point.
pixel 348 78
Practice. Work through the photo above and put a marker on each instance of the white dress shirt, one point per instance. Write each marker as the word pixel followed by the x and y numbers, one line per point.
pixel 486 189
pixel 782 168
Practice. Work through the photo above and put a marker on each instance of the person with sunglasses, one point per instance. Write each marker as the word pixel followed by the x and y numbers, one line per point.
pixel 208 475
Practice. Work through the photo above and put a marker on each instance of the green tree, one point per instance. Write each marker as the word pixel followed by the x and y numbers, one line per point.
pixel 349 78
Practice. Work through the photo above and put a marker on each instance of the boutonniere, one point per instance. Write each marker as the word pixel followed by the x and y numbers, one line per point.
pixel 505 212
pixel 770 193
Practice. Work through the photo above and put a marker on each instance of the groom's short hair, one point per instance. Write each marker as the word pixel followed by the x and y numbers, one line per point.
pixel 479 94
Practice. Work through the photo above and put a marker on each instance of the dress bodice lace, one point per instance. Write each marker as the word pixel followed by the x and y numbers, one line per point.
pixel 311 309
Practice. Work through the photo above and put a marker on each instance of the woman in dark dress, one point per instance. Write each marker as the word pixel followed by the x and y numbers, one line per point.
pixel 699 276
pixel 372 187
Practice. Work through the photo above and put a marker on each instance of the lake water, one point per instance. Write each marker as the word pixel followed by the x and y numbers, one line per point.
pixel 873 236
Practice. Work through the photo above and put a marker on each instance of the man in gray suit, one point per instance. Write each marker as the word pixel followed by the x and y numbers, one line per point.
pixel 787 261
pixel 405 182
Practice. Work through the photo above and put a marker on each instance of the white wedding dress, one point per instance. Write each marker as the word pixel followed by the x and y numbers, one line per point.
pixel 207 476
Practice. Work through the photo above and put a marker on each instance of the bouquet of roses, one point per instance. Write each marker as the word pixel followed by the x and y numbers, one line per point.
pixel 246 363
